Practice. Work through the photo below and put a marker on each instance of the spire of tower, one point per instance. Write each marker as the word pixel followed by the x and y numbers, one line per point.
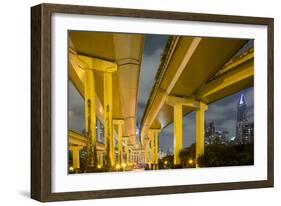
pixel 242 99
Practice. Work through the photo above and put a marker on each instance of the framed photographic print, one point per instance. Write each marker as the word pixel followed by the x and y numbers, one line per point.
pixel 132 102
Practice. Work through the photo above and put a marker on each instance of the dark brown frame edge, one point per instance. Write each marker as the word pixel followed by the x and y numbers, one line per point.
pixel 41 101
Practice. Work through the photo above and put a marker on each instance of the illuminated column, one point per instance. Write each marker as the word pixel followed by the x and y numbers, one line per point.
pixel 101 158
pixel 200 119
pixel 119 123
pixel 156 149
pixel 75 156
pixel 152 154
pixel 146 153
pixel 177 133
pixel 98 158
pixel 90 119
pixel 134 156
pixel 154 140
pixel 126 141
pixel 108 124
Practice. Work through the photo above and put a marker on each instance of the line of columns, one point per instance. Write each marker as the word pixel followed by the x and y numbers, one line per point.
pixel 119 123
pixel 107 68
pixel 151 149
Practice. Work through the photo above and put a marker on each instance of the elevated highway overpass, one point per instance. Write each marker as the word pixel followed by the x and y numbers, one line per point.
pixel 194 72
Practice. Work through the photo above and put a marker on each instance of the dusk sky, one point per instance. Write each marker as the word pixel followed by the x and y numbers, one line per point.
pixel 222 112
pixel 152 51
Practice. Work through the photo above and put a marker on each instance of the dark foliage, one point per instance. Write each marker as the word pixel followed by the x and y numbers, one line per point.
pixel 227 155
pixel 166 163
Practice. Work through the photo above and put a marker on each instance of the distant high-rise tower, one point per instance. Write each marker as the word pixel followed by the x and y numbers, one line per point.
pixel 244 129
pixel 242 109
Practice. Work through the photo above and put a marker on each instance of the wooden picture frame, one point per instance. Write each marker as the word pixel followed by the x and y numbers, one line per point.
pixel 41 96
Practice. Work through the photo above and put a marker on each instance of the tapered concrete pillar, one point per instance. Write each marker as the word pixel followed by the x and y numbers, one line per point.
pixel 126 141
pixel 108 124
pixel 75 156
pixel 152 153
pixel 177 133
pixel 90 119
pixel 119 123
pixel 146 152
pixel 154 147
pixel 200 133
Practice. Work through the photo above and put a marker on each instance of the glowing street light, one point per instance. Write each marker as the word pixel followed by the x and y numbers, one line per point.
pixel 71 169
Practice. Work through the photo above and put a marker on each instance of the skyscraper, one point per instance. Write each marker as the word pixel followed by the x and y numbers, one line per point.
pixel 242 109
pixel 244 129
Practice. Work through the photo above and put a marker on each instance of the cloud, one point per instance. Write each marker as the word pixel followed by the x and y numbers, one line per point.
pixel 153 48
pixel 76 115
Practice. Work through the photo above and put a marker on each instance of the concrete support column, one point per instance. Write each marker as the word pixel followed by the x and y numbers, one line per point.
pixel 108 124
pixel 177 133
pixel 75 156
pixel 126 141
pixel 90 119
pixel 146 153
pixel 200 119
pixel 102 158
pixel 119 123
pixel 152 153
pixel 154 147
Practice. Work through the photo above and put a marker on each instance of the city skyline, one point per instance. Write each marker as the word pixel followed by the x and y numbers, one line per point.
pixel 222 112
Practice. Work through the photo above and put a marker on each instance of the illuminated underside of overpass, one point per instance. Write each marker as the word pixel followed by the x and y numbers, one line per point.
pixel 194 72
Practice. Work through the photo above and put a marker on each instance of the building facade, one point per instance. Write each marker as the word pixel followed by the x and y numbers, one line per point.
pixel 244 128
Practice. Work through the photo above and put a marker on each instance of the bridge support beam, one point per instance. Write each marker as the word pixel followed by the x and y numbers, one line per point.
pixel 108 124
pixel 119 123
pixel 177 133
pixel 154 147
pixel 200 120
pixel 146 153
pixel 126 141
pixel 100 159
pixel 90 119
pixel 75 156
